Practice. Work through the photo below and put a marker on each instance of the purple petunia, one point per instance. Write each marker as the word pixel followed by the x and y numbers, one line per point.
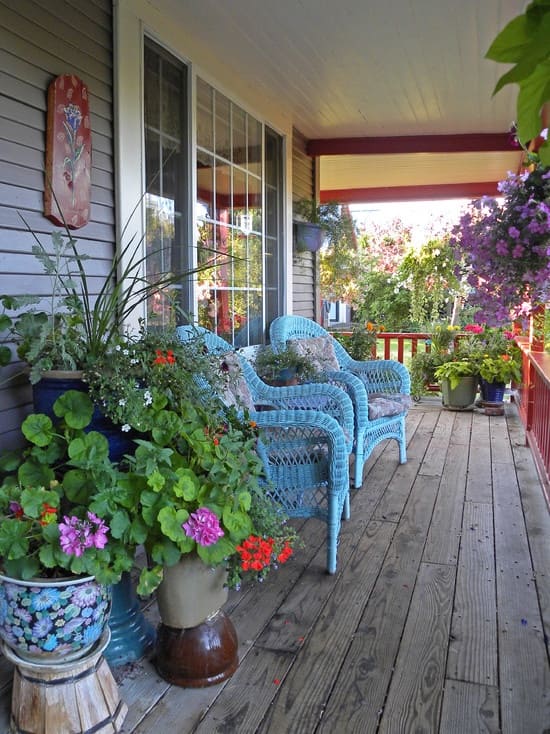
pixel 203 526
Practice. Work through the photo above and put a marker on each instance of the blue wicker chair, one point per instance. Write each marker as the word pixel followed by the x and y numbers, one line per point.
pixel 305 450
pixel 379 389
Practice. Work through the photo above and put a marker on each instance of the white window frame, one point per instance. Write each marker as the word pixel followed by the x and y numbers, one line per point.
pixel 133 19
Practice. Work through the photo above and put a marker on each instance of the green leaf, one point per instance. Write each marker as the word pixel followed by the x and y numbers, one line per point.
pixel 510 43
pixel 533 93
pixel 5 355
pixel 166 552
pixel 238 523
pixel 187 485
pixel 215 554
pixel 156 481
pixel 89 449
pixel 32 500
pixel 78 486
pixel 75 407
pixel 13 538
pixel 38 429
pixel 119 524
pixel 544 153
pixel 35 475
pixel 149 580
pixel 24 568
pixel 171 521
pixel 48 557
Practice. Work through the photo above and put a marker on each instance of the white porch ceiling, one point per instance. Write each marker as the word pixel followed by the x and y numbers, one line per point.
pixel 370 68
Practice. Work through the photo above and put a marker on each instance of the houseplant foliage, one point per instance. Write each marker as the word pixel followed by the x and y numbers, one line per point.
pixel 76 326
pixel 503 249
pixel 194 485
pixel 361 343
pixel 63 512
pixel 523 42
pixel 284 366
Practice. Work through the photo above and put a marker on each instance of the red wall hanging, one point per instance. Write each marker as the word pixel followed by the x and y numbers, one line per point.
pixel 68 153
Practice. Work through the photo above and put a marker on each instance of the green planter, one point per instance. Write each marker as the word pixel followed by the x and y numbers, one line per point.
pixel 463 396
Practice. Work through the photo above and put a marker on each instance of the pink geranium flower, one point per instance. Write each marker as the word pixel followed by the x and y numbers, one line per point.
pixel 203 526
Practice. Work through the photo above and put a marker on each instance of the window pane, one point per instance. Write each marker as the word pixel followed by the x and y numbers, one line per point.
pixel 171 101
pixel 255 202
pixel 223 191
pixel 205 130
pixel 254 146
pixel 255 273
pixel 223 129
pixel 166 201
pixel 205 185
pixel 239 196
pixel 152 161
pixel 239 136
pixel 152 84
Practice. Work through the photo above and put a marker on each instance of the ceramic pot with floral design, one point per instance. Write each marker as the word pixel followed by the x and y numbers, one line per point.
pixel 46 621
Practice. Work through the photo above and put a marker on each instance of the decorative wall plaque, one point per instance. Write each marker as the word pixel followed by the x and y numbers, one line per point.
pixel 68 153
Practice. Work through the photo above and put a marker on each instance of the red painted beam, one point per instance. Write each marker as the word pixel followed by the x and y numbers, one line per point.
pixel 463 143
pixel 411 193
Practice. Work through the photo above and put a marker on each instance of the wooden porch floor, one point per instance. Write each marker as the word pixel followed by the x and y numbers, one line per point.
pixel 437 620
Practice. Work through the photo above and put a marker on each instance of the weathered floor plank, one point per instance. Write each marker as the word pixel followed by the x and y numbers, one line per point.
pixel 437 620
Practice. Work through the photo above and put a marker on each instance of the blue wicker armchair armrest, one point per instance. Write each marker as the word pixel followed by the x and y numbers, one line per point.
pixel 307 467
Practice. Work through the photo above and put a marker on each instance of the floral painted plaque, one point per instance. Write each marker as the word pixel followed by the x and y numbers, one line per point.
pixel 68 153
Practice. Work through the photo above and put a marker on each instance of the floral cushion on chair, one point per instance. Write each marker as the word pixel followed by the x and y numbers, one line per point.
pixel 319 350
pixel 381 406
pixel 235 390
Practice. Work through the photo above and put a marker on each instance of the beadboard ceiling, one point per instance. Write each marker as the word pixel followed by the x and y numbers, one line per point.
pixel 358 69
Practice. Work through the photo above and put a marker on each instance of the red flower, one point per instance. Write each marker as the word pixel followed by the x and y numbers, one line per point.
pixel 48 514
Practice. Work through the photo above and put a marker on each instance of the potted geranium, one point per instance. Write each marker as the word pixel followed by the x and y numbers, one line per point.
pixel 197 499
pixel 64 534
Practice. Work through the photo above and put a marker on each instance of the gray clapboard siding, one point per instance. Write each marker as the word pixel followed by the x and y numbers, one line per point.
pixel 41 40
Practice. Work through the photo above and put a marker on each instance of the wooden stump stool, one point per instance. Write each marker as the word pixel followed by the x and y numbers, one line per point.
pixel 77 697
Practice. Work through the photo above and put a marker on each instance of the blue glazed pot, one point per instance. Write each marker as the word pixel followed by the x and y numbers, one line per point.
pixel 492 392
pixel 55 383
pixel 57 620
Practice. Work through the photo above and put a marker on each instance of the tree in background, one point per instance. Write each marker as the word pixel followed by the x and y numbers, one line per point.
pixel 339 258
pixel 380 294
pixel 429 275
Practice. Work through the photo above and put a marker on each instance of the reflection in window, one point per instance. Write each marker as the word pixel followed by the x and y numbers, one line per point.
pixel 229 197
pixel 166 142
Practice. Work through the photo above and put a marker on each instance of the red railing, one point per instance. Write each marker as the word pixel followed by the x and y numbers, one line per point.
pixel 533 399
pixel 532 396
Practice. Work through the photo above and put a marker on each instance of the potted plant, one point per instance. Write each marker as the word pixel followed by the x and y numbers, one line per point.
pixel 316 224
pixel 502 247
pixel 64 536
pixel 287 367
pixel 196 499
pixel 459 379
pixel 76 327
